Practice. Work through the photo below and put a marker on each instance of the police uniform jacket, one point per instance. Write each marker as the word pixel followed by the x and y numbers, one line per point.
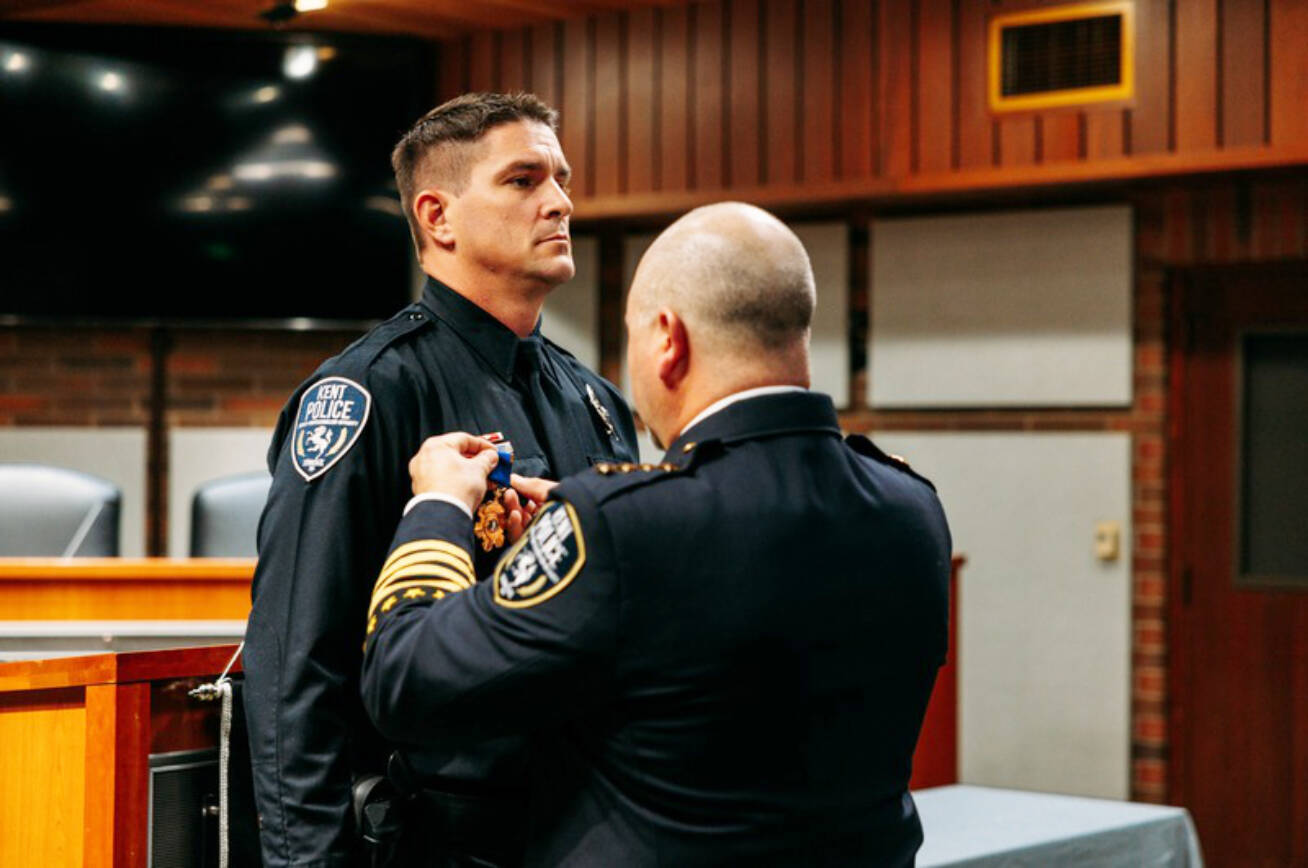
pixel 729 655
pixel 339 460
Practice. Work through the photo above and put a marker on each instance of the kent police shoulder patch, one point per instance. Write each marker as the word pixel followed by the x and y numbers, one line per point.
pixel 331 417
pixel 543 561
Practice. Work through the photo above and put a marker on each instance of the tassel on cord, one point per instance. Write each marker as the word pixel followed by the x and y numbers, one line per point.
pixel 222 689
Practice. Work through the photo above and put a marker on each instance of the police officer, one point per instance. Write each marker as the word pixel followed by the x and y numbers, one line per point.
pixel 729 653
pixel 485 186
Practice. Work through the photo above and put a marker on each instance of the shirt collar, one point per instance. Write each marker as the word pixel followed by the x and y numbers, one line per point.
pixel 748 417
pixel 488 337
pixel 722 403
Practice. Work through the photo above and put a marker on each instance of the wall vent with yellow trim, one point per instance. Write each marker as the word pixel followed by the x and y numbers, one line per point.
pixel 1062 56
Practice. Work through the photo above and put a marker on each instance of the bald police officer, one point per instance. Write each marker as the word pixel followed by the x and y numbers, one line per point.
pixel 729 654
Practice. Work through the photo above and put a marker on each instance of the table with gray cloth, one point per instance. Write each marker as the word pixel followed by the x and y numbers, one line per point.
pixel 980 826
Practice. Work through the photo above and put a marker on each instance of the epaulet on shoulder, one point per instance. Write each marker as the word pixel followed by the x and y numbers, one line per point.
pixel 863 446
pixel 409 320
pixel 610 478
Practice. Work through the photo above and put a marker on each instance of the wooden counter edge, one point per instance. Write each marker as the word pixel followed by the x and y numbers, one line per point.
pixel 125 569
pixel 121 668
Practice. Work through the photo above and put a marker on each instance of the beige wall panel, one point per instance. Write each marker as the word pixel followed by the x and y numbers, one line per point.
pixel 1024 308
pixel 1044 626
pixel 828 251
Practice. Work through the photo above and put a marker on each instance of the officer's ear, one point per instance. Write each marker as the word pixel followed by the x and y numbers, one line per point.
pixel 431 210
pixel 673 353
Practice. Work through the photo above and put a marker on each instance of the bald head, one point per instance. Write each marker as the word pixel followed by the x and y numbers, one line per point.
pixel 736 275
pixel 720 303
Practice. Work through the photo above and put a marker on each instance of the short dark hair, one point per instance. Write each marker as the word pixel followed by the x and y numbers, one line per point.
pixel 439 141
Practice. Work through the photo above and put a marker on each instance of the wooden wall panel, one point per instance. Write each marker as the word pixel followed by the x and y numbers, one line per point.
pixel 836 100
pixel 1196 74
pixel 1289 72
pixel 818 99
pixel 1059 136
pixel 1150 118
pixel 543 75
pixel 577 124
pixel 1104 134
pixel 483 61
pixel 673 103
pixel 610 57
pixel 781 121
pixel 935 86
pixel 745 145
pixel 1017 140
pixel 640 102
pixel 513 55
pixel 452 70
pixel 975 128
pixel 896 45
pixel 858 90
pixel 708 116
pixel 1243 95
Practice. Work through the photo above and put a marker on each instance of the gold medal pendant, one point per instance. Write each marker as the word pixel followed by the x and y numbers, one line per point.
pixel 489 528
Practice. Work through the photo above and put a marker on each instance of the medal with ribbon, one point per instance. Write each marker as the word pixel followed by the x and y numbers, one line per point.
pixel 489 527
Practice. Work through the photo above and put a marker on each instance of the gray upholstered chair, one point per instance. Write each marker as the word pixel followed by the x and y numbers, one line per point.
pixel 225 515
pixel 53 511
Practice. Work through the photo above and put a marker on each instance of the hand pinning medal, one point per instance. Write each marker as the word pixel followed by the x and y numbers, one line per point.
pixel 489 526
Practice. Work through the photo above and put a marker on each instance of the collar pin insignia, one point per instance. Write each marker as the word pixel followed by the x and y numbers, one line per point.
pixel 600 411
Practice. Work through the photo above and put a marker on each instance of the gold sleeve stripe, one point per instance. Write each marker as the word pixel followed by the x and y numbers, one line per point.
pixel 423 571
pixel 393 593
pixel 422 557
pixel 429 545
pixel 452 586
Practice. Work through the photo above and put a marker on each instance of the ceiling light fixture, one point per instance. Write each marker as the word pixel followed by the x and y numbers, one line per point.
pixel 301 61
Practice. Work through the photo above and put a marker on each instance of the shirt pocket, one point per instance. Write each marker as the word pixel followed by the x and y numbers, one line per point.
pixel 531 465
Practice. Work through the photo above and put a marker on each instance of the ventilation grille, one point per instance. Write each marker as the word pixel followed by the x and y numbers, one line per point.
pixel 1060 56
pixel 183 790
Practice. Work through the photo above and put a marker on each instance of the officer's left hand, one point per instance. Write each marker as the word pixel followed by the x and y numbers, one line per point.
pixel 455 465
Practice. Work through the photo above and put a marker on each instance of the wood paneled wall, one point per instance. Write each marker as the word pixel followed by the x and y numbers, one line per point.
pixel 812 101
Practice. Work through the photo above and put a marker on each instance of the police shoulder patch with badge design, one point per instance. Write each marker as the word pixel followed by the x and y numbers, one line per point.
pixel 544 561
pixel 331 417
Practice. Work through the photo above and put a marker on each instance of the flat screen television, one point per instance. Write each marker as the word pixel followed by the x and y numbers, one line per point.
pixel 201 175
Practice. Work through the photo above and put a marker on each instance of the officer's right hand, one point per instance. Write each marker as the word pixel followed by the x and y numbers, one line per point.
pixel 533 488
pixel 521 502
pixel 455 465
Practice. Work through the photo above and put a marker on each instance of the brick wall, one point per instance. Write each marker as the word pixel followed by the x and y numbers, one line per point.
pixel 104 376
pixel 107 376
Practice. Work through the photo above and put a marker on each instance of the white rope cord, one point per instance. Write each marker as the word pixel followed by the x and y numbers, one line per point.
pixel 224 754
pixel 222 689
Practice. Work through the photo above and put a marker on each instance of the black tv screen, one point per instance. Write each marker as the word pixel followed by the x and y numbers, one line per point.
pixel 203 175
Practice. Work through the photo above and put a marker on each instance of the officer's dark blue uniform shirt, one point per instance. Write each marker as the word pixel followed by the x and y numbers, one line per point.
pixel 339 460
pixel 729 655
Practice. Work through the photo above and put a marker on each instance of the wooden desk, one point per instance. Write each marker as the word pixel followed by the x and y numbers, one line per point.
pixel 116 589
pixel 76 734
